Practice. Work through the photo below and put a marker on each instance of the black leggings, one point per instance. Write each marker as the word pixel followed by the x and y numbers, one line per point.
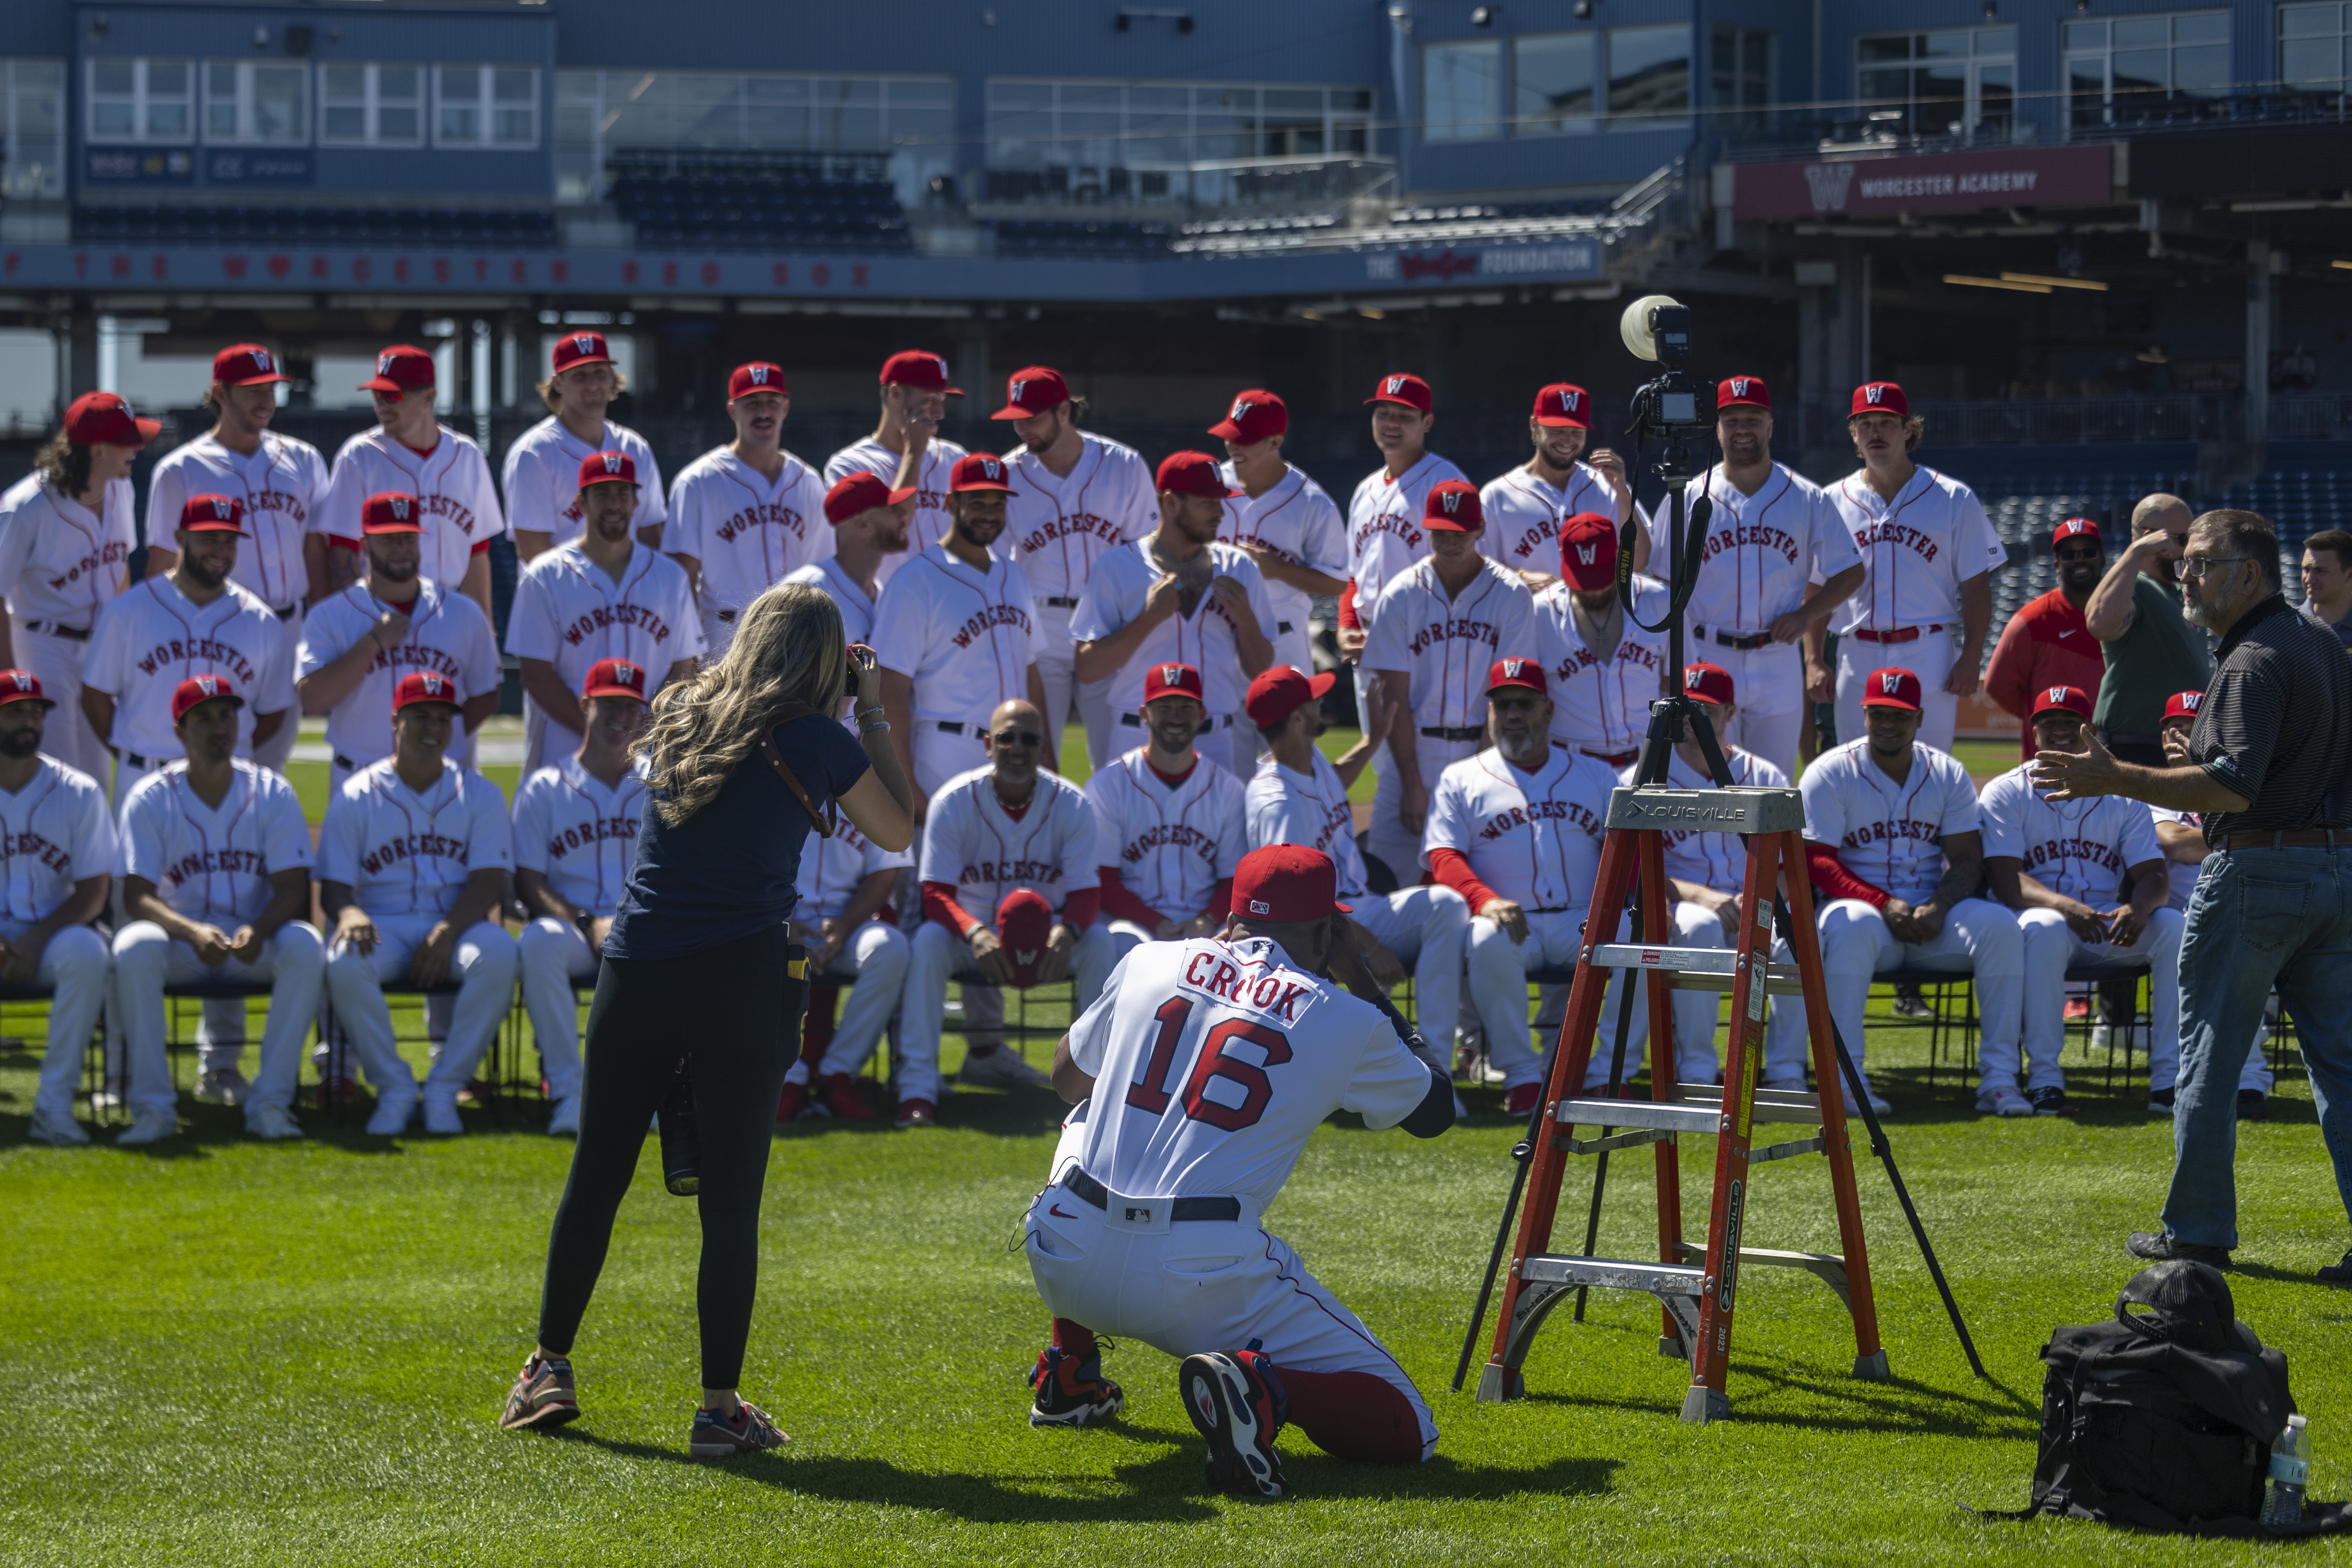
pixel 724 1010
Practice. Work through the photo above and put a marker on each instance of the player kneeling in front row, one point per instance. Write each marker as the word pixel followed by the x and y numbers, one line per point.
pixel 575 827
pixel 216 862
pixel 413 864
pixel 1199 1076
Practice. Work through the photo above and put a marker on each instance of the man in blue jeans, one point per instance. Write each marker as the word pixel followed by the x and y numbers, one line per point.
pixel 2270 770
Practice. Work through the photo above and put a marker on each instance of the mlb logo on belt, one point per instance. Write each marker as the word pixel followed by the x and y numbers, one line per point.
pixel 1137 1214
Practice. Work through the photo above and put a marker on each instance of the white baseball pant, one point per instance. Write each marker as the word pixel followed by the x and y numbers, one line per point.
pixel 1397 846
pixel 1429 928
pixel 1058 667
pixel 873 964
pixel 1928 656
pixel 936 952
pixel 147 959
pixel 1980 939
pixel 554 957
pixel 483 963
pixel 1498 970
pixel 1768 684
pixel 543 740
pixel 938 757
pixel 2050 948
pixel 56 661
pixel 1090 966
pixel 77 968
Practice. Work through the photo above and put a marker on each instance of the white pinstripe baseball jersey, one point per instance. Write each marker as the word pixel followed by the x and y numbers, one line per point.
pixel 542 478
pixel 401 853
pixel 54 832
pixel 447 634
pixel 962 637
pixel 280 486
pixel 580 833
pixel 1717 860
pixel 1171 847
pixel 214 864
pixel 1059 528
pixel 1115 594
pixel 831 869
pixel 1762 551
pixel 58 560
pixel 1917 550
pixel 462 514
pixel 151 639
pixel 1597 707
pixel 1890 835
pixel 2182 873
pixel 1447 646
pixel 746 532
pixel 1384 532
pixel 857 609
pixel 2079 849
pixel 1286 807
pixel 568 611
pixel 1299 523
pixel 1534 837
pixel 1523 513
pixel 930 524
pixel 972 843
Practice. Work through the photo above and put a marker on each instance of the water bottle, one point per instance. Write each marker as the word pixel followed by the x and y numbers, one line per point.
pixel 681 1139
pixel 2290 1472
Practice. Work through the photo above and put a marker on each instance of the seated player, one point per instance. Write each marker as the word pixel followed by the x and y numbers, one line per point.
pixel 845 882
pixel 575 829
pixel 413 865
pixel 1016 843
pixel 216 880
pixel 2060 864
pixel 1170 826
pixel 1216 1060
pixel 1892 847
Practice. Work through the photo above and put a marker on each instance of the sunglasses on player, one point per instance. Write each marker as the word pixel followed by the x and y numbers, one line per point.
pixel 2085 552
pixel 1018 738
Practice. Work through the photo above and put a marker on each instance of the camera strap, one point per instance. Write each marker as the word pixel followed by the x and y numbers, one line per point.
pixel 824 820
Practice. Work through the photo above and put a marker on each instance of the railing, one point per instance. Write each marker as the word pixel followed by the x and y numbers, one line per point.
pixel 1860 135
pixel 1220 182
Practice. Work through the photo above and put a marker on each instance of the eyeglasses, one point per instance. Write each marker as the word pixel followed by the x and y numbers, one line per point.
pixel 1018 738
pixel 2197 565
pixel 2088 553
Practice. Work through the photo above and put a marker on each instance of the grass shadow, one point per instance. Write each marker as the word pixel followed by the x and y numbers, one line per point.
pixel 1900 1405
pixel 998 1113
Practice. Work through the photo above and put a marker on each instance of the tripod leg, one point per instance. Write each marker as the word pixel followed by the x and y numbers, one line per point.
pixel 1521 1155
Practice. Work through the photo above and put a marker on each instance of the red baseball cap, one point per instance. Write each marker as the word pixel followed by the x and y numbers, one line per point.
pixel 615 678
pixel 2062 700
pixel 1171 680
pixel 1286 882
pixel 1192 474
pixel 1256 415
pixel 247 364
pixel 1452 506
pixel 2073 528
pixel 403 367
pixel 580 348
pixel 390 511
pixel 1023 920
pixel 1881 397
pixel 1891 689
pixel 1588 551
pixel 757 376
pixel 213 514
pixel 980 471
pixel 1281 690
pixel 607 469
pixel 96 416
pixel 1409 390
pixel 1523 672
pixel 1742 391
pixel 22 685
pixel 918 368
pixel 199 688
pixel 1563 405
pixel 1031 391
pixel 859 494
pixel 2180 705
pixel 423 686
pixel 1707 682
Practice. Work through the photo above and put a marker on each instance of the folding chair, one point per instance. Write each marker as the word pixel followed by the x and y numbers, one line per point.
pixel 495 1072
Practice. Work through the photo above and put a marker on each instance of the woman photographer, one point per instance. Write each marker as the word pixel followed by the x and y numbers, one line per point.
pixel 741 762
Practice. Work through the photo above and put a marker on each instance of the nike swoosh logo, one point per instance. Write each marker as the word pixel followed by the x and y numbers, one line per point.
pixel 1057 1209
pixel 2067 633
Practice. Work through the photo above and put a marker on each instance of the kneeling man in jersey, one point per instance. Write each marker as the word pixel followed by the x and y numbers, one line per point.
pixel 412 862
pixel 1198 1074
pixel 216 863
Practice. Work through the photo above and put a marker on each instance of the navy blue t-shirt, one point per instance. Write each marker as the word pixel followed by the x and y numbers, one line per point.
pixel 728 870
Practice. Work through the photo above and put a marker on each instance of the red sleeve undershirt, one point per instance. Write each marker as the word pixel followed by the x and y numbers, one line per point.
pixel 1451 868
pixel 480 545
pixel 1079 910
pixel 1829 874
pixel 1123 904
pixel 939 904
pixel 1348 617
pixel 339 542
pixel 1221 903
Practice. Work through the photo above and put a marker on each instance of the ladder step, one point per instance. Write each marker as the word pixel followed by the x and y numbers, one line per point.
pixel 1612 1274
pixel 1741 809
pixel 1829 1267
pixel 1695 968
pixel 1772 1104
pixel 1669 1116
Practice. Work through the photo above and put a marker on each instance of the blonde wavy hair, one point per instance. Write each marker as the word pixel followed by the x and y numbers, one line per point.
pixel 787 646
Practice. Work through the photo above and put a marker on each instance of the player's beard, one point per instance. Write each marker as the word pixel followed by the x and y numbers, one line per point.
pixel 1527 750
pixel 201 574
pixel 965 530
pixel 19 744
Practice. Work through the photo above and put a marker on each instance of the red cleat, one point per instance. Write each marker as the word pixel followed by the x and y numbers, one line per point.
pixel 793 1103
pixel 1523 1100
pixel 838 1094
pixel 917 1113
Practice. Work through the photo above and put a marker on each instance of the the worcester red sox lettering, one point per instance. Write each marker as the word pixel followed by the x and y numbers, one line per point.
pixel 1169 835
pixel 1779 540
pixel 605 617
pixel 111 554
pixel 1071 525
pixel 1539 810
pixel 1482 633
pixel 1881 831
pixel 2088 851
pixel 1394 522
pixel 990 616
pixel 198 864
pixel 31 844
pixel 414 847
pixel 196 650
pixel 1029 873
pixel 1871 535
pixel 596 830
pixel 762 514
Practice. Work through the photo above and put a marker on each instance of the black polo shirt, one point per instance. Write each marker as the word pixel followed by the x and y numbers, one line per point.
pixel 2276 724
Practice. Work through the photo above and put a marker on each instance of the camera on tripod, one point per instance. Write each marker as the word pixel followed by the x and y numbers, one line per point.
pixel 1677 409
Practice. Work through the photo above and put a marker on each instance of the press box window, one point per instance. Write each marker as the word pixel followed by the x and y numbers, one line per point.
pixel 371 105
pixel 142 100
pixel 1553 79
pixel 1649 77
pixel 2312 46
pixel 485 106
pixel 249 101
pixel 2136 68
pixel 1961 81
pixel 1462 91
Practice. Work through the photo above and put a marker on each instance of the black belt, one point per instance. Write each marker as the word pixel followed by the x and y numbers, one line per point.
pixel 1218 722
pixel 1180 1210
pixel 345 763
pixel 1614 759
pixel 1281 627
pixel 1746 642
pixel 59 629
pixel 136 761
pixel 1062 604
pixel 947 728
pixel 1466 732
pixel 289 612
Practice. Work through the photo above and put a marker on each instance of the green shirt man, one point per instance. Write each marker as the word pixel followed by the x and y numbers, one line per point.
pixel 2152 648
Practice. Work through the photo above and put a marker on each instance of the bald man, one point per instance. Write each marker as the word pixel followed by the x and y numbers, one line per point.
pixel 2152 650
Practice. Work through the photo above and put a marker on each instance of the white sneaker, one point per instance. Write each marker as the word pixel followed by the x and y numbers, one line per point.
pixel 1785 1085
pixel 59 1132
pixel 109 1096
pixel 1878 1103
pixel 2003 1099
pixel 1001 1069
pixel 565 1122
pixel 394 1110
pixel 271 1123
pixel 2126 1037
pixel 223 1086
pixel 441 1117
pixel 149 1127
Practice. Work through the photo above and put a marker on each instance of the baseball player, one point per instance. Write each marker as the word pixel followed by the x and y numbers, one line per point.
pixel 2060 866
pixel 358 643
pixel 1076 496
pixel 746 515
pixel 957 635
pixel 2048 642
pixel 603 595
pixel 541 475
pixel 1436 629
pixel 65 550
pixel 1893 844
pixel 413 863
pixel 1778 559
pixel 1215 1060
pixel 1282 520
pixel 1927 552
pixel 1170 826
pixel 869 532
pixel 409 453
pixel 846 882
pixel 1604 671
pixel 575 829
pixel 280 482
pixel 216 880
pixel 1177 596
pixel 905 452
pixel 1010 888
pixel 192 620
pixel 1526 507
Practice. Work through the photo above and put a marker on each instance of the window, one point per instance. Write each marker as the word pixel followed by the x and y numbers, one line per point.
pixel 1649 77
pixel 33 128
pixel 2311 47
pixel 484 105
pixel 1553 76
pixel 1166 125
pixel 142 100
pixel 1960 82
pixel 249 101
pixel 371 105
pixel 2139 68
pixel 1739 77
pixel 1461 90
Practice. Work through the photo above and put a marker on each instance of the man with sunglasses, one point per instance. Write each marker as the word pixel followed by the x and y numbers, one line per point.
pixel 2152 651
pixel 2046 644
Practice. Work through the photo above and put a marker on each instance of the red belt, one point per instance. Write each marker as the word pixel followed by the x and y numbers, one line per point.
pixel 1615 760
pixel 1900 634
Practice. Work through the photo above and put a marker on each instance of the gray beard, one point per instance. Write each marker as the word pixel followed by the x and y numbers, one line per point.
pixel 1528 750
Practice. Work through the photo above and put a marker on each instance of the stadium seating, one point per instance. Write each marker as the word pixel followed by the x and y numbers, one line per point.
pixel 754 202
pixel 373 226
pixel 1085 240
